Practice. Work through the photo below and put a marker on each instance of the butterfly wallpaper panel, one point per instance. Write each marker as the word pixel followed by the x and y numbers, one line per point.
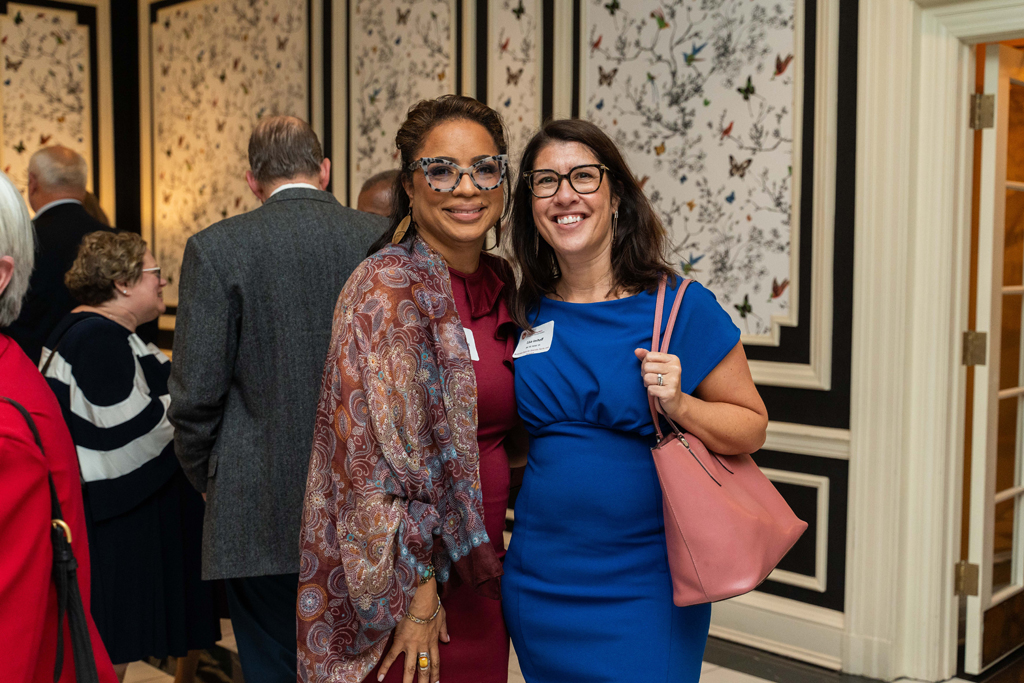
pixel 47 98
pixel 700 96
pixel 401 52
pixel 217 67
pixel 514 63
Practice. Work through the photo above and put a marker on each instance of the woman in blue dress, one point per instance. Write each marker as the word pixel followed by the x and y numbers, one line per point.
pixel 587 593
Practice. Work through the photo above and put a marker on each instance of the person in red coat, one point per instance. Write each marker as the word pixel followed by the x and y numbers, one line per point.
pixel 28 596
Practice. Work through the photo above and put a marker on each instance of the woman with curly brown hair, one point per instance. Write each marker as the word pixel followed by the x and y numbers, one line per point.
pixel 143 518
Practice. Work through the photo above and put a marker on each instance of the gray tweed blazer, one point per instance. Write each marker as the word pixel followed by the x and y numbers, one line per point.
pixel 257 296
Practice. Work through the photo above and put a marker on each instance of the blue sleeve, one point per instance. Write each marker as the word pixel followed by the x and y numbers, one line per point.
pixel 704 334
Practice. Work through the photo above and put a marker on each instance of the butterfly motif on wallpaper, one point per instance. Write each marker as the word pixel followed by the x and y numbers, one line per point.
pixel 519 11
pixel 18 18
pixel 747 90
pixel 606 77
pixel 165 69
pixel 612 7
pixel 11 65
pixel 20 147
pixel 745 308
pixel 659 149
pixel 282 43
pixel 43 139
pixel 220 126
pixel 739 168
pixel 781 64
pixel 403 17
pixel 512 77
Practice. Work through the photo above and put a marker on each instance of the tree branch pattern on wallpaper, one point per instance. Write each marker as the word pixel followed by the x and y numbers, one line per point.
pixel 699 94
pixel 217 68
pixel 514 54
pixel 402 51
pixel 46 95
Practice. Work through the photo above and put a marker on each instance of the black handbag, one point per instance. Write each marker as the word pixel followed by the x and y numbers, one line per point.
pixel 69 598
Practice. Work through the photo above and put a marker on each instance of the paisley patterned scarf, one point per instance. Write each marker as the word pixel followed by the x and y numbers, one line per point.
pixel 394 483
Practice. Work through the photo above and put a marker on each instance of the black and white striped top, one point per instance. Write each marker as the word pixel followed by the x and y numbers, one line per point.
pixel 112 388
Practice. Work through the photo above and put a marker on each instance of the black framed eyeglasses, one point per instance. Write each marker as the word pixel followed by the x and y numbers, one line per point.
pixel 585 179
pixel 444 175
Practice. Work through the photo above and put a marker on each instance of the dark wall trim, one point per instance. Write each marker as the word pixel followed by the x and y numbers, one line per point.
pixel 482 57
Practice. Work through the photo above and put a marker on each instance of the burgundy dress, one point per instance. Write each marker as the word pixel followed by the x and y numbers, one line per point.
pixel 479 647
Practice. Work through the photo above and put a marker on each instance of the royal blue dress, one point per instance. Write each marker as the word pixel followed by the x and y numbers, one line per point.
pixel 587 593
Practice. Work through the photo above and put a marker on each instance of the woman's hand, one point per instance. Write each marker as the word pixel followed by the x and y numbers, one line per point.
pixel 668 393
pixel 412 638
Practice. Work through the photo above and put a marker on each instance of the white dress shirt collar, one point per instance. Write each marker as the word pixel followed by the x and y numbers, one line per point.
pixel 56 202
pixel 289 186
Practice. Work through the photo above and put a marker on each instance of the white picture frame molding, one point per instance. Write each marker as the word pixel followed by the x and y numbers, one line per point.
pixel 911 270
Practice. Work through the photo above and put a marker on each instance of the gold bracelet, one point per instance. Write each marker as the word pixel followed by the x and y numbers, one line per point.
pixel 417 620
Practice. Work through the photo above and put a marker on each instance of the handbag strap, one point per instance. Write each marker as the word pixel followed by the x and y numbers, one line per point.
pixel 69 598
pixel 665 341
pixel 53 352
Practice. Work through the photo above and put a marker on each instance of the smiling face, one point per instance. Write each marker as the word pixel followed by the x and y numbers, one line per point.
pixel 455 223
pixel 145 296
pixel 577 226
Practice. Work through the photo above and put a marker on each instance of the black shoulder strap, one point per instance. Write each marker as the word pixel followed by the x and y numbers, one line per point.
pixel 53 351
pixel 69 598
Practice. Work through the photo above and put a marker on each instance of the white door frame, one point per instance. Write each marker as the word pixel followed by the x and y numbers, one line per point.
pixel 912 223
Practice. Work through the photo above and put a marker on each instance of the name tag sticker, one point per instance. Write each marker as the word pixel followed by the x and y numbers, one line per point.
pixel 538 342
pixel 473 355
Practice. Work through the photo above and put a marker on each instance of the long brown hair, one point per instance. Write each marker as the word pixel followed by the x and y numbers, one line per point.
pixel 422 118
pixel 638 247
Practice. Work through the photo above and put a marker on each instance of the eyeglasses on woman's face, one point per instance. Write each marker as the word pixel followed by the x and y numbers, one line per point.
pixel 444 175
pixel 155 271
pixel 585 179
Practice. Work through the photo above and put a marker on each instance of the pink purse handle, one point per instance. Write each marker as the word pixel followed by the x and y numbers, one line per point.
pixel 664 344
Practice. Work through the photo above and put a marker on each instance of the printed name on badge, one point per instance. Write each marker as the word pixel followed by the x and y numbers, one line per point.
pixel 538 342
pixel 473 355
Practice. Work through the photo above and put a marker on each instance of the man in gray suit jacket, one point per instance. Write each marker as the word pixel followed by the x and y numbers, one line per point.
pixel 257 295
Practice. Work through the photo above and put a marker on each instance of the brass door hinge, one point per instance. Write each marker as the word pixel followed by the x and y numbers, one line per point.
pixel 966 578
pixel 983 111
pixel 975 348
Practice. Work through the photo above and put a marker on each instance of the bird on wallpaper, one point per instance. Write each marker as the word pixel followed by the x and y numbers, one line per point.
pixel 691 265
pixel 606 77
pixel 403 17
pixel 781 64
pixel 596 44
pixel 7 81
pixel 18 18
pixel 508 102
pixel 691 205
pixel 659 17
pixel 739 168
pixel 731 198
pixel 691 56
pixel 600 105
pixel 58 37
pixel 440 76
pixel 512 77
pixel 727 131
pixel 659 150
pixel 167 197
pixel 778 288
pixel 43 139
pixel 245 88
pixel 223 76
pixel 683 178
pixel 747 90
pixel 238 60
pixel 613 7
pixel 165 69
pixel 373 96
pixel 60 119
pixel 518 11
pixel 503 47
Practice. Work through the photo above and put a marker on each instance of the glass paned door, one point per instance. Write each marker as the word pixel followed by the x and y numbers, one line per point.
pixel 995 542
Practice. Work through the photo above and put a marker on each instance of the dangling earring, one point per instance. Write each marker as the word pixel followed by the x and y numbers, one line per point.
pixel 403 227
pixel 615 225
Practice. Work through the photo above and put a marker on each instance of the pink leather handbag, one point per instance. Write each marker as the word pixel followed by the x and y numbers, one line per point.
pixel 726 526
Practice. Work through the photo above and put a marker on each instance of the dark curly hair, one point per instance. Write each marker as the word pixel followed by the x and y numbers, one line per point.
pixel 422 118
pixel 640 242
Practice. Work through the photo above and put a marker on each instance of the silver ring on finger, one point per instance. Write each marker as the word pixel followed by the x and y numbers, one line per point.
pixel 661 380
pixel 423 659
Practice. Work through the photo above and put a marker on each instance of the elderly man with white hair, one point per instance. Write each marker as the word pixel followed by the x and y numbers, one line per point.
pixel 28 595
pixel 56 187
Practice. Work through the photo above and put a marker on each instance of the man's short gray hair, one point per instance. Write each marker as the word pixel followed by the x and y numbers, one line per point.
pixel 282 148
pixel 382 178
pixel 18 242
pixel 59 168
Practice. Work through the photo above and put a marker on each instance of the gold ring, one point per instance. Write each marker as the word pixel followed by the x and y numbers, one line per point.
pixel 424 661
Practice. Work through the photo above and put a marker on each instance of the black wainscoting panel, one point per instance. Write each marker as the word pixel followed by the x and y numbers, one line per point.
pixel 835 575
pixel 124 50
pixel 804 501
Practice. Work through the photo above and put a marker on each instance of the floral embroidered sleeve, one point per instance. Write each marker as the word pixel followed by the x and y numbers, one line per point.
pixel 393 485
